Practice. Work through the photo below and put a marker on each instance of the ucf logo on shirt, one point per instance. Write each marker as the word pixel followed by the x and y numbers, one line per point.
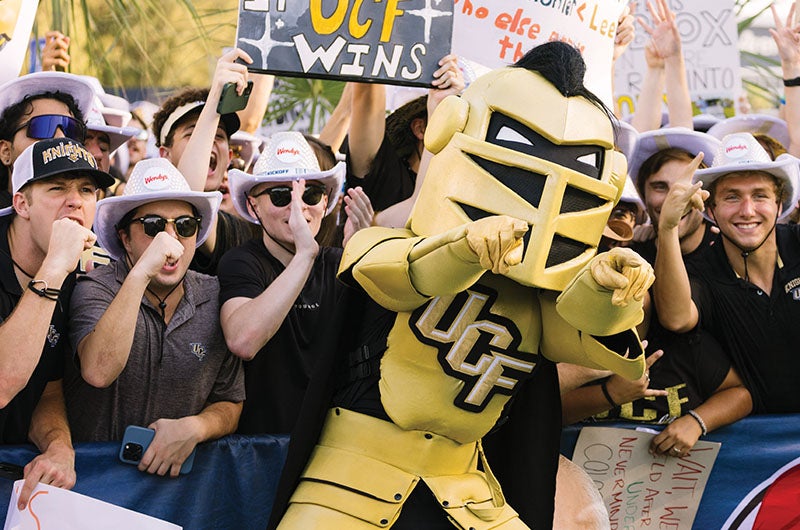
pixel 475 345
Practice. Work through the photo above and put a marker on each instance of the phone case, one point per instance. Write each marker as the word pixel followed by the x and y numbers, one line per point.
pixel 230 101
pixel 136 441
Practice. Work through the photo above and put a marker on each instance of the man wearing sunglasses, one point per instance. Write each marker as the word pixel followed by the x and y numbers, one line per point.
pixel 146 329
pixel 282 308
pixel 55 186
pixel 36 107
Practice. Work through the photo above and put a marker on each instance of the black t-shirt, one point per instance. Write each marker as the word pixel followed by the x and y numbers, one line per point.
pixel 277 378
pixel 389 180
pixel 692 368
pixel 15 418
pixel 232 231
pixel 756 329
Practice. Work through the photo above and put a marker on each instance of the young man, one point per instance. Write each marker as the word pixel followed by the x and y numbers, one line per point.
pixel 745 292
pixel 188 124
pixel 55 186
pixel 282 307
pixel 35 107
pixel 146 329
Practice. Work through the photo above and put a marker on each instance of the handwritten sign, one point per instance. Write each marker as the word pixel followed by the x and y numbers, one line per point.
pixel 391 41
pixel 51 508
pixel 641 490
pixel 711 51
pixel 495 33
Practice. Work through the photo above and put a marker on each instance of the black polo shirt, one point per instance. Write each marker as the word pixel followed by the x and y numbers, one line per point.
pixel 756 329
pixel 15 418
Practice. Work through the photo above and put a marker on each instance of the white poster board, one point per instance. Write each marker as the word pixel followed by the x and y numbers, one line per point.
pixel 16 22
pixel 641 490
pixel 51 508
pixel 495 33
pixel 711 50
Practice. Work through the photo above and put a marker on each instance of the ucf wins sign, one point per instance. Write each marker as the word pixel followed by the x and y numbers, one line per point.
pixel 388 41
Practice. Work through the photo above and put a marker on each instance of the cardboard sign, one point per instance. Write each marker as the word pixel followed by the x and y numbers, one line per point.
pixel 641 490
pixel 390 41
pixel 710 42
pixel 16 21
pixel 495 33
pixel 51 508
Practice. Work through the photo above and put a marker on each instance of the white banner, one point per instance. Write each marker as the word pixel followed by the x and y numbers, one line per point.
pixel 641 490
pixel 51 508
pixel 16 22
pixel 495 33
pixel 711 50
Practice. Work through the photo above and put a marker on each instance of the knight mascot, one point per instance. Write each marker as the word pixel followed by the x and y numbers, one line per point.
pixel 495 277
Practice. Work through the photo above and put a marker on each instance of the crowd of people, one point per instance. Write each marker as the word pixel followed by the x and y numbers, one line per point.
pixel 166 266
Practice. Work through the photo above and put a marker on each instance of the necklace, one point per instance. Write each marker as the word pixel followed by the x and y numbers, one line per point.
pixel 162 302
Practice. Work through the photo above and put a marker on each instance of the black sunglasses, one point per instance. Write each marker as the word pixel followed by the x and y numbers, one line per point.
pixel 282 195
pixel 45 126
pixel 185 225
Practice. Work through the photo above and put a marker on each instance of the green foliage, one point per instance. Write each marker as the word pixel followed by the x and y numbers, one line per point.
pixel 301 97
pixel 142 43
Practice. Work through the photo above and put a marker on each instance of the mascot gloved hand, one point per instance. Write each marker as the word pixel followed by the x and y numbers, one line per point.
pixel 497 241
pixel 623 271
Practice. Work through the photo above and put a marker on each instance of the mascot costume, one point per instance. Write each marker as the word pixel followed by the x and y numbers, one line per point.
pixel 495 276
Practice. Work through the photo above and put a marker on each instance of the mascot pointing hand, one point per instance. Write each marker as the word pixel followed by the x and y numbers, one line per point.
pixel 496 274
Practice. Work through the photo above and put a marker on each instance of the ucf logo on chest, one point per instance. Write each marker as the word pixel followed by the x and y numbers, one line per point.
pixel 475 345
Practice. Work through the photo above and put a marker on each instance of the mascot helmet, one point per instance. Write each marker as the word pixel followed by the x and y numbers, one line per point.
pixel 529 141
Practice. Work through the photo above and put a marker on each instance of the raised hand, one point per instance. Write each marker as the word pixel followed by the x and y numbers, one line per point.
pixel 55 55
pixel 683 196
pixel 164 250
pixel 304 242
pixel 626 31
pixel 624 390
pixel 665 39
pixel 786 36
pixel 359 212
pixel 68 240
pixel 229 71
pixel 448 80
pixel 497 240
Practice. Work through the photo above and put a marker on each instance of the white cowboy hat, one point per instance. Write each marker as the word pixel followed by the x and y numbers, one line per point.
pixel 95 121
pixel 651 142
pixel 286 157
pixel 754 124
pixel 154 179
pixel 14 91
pixel 741 152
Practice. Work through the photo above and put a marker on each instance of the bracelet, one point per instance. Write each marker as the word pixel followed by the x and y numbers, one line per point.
pixel 696 416
pixel 46 292
pixel 604 388
pixel 795 81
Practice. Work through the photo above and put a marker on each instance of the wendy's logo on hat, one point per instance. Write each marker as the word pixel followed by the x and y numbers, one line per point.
pixel 287 152
pixel 735 148
pixel 158 181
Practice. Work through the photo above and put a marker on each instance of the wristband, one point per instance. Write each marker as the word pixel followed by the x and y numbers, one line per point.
pixel 795 81
pixel 697 417
pixel 46 292
pixel 604 388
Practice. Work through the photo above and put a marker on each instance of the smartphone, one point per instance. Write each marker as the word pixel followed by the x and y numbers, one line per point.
pixel 230 101
pixel 11 471
pixel 136 441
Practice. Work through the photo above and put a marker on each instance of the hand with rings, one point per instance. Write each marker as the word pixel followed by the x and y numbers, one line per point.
pixel 677 438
